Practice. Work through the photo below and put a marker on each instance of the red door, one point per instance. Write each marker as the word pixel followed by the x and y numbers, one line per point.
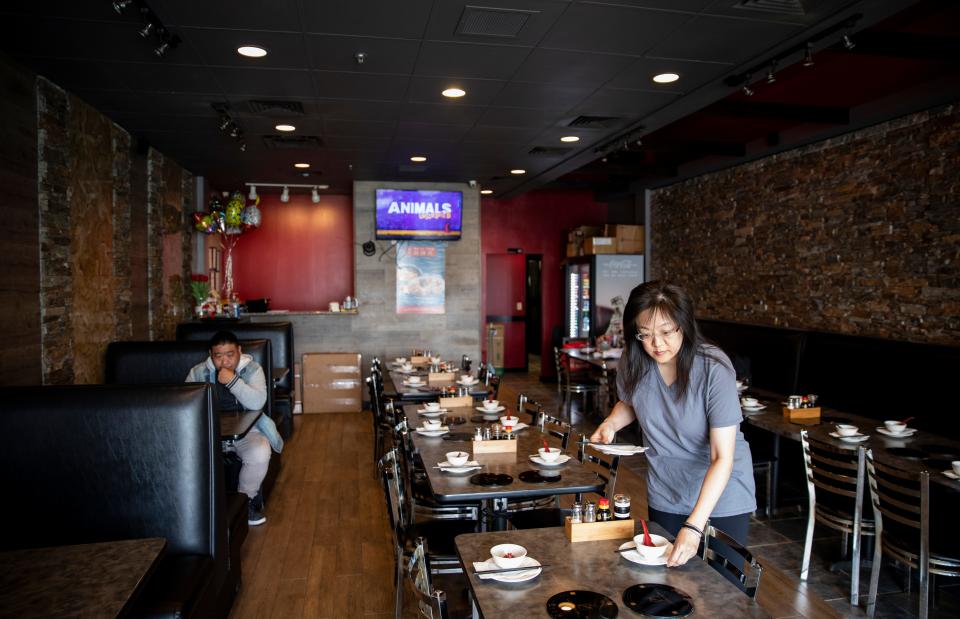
pixel 506 292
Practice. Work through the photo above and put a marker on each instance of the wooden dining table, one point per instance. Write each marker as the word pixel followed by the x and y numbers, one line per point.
pixel 572 477
pixel 590 566
pixel 84 580
pixel 430 390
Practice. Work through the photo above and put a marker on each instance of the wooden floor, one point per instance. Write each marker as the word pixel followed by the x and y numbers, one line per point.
pixel 325 548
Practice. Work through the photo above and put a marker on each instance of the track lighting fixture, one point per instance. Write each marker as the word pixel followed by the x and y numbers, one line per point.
pixel 253 192
pixel 119 5
pixel 315 196
pixel 285 194
pixel 162 49
pixel 746 86
pixel 243 147
pixel 224 122
pixel 847 43
pixel 771 78
pixel 808 55
pixel 147 30
pixel 234 131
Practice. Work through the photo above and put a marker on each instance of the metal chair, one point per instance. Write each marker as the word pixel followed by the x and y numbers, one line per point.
pixel 902 509
pixel 382 412
pixel 566 386
pixel 747 574
pixel 431 603
pixel 835 485
pixel 550 505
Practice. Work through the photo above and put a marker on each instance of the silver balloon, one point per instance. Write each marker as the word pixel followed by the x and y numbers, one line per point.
pixel 251 216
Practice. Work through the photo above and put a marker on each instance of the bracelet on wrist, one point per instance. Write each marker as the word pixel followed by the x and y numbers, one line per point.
pixel 692 527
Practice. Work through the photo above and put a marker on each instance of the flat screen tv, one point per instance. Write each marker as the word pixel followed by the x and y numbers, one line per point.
pixel 419 214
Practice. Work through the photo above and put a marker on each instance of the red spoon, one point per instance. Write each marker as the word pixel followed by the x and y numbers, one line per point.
pixel 646 534
pixel 546 447
pixel 904 421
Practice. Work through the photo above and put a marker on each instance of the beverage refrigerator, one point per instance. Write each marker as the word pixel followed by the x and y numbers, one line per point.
pixel 596 289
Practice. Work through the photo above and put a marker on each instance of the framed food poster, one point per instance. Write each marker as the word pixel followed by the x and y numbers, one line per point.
pixel 421 285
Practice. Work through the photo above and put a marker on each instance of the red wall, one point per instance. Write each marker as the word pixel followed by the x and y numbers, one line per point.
pixel 538 222
pixel 301 256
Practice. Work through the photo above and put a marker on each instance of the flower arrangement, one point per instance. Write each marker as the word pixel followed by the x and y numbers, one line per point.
pixel 199 288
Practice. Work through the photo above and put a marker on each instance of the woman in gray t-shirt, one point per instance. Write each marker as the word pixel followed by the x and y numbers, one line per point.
pixel 683 392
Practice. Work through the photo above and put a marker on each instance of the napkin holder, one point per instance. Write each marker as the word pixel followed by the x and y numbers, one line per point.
pixel 593 531
pixel 495 446
pixel 441 377
pixel 802 414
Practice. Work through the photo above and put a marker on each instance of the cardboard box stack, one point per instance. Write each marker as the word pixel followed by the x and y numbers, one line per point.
pixel 608 239
pixel 628 239
pixel 599 245
pixel 577 237
pixel 332 383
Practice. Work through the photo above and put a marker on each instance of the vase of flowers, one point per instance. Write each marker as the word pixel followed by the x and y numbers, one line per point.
pixel 200 289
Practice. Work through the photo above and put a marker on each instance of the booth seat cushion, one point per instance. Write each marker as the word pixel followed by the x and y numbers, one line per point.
pixel 279 333
pixel 174 589
pixel 770 356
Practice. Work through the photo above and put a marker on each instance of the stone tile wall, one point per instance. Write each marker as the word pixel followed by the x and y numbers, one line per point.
pixel 858 234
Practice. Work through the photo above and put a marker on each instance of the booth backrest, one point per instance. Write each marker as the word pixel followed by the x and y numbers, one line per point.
pixel 96 463
pixel 279 333
pixel 883 379
pixel 164 363
pixel 770 356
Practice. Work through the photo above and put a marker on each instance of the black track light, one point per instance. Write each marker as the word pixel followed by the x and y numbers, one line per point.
pixel 771 78
pixel 147 30
pixel 847 43
pixel 120 5
pixel 808 56
pixel 162 49
pixel 243 147
pixel 746 86
pixel 234 131
pixel 224 123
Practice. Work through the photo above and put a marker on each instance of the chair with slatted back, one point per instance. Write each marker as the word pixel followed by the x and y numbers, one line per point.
pixel 909 530
pixel 456 402
pixel 569 384
pixel 605 465
pixel 745 570
pixel 430 602
pixel 836 489
pixel 440 534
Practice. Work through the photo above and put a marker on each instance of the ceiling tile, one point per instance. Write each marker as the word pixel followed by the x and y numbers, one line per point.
pixel 555 66
pixel 615 29
pixel 627 103
pixel 250 15
pixel 358 128
pixel 165 78
pixel 447 14
pixel 722 39
pixel 336 53
pixel 542 96
pixel 470 60
pixel 518 117
pixel 219 47
pixel 639 74
pixel 814 11
pixel 428 89
pixel 383 18
pixel 443 112
pixel 416 132
pixel 344 85
pixel 275 83
pixel 359 110
pixel 486 134
pixel 76 75
pixel 671 5
pixel 375 144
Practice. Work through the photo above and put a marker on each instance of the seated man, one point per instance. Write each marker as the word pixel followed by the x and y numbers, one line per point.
pixel 239 384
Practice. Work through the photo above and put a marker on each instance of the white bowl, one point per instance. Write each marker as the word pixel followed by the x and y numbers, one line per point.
pixel 401 360
pixel 660 544
pixel 407 366
pixel 435 360
pixel 432 424
pixel 895 426
pixel 413 379
pixel 466 378
pixel 956 466
pixel 846 430
pixel 491 404
pixel 457 458
pixel 500 552
pixel 750 402
pixel 509 420
pixel 549 455
pixel 432 406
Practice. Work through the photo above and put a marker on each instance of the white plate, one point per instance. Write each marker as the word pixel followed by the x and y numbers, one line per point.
pixel 856 438
pixel 422 383
pixel 620 451
pixel 468 384
pixel 904 434
pixel 635 557
pixel 951 475
pixel 491 411
pixel 446 467
pixel 753 408
pixel 443 430
pixel 563 459
pixel 511 576
pixel 425 413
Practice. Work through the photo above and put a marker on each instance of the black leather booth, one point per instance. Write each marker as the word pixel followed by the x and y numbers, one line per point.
pixel 82 464
pixel 769 356
pixel 279 333
pixel 154 363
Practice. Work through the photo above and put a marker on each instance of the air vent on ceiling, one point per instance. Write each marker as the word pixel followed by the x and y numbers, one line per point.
pixel 780 7
pixel 486 21
pixel 595 122
pixel 276 108
pixel 549 151
pixel 285 142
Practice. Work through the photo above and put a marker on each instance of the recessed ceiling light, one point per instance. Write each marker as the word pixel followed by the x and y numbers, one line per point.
pixel 570 138
pixel 251 51
pixel 418 158
pixel 518 171
pixel 285 128
pixel 453 93
pixel 301 165
pixel 486 192
pixel 666 78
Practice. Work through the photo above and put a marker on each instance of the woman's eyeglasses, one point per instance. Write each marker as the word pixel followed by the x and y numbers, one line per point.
pixel 662 335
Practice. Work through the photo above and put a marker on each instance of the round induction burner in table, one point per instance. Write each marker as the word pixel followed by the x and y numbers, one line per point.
pixel 456 421
pixel 582 605
pixel 834 419
pixel 491 479
pixel 907 452
pixel 457 436
pixel 946 452
pixel 536 477
pixel 657 600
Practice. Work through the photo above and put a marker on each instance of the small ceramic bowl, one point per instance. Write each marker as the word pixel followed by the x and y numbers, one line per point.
pixel 507 556
pixel 956 467
pixel 457 458
pixel 750 402
pixel 895 426
pixel 660 544
pixel 846 430
pixel 549 455
pixel 432 424
pixel 491 404
pixel 432 406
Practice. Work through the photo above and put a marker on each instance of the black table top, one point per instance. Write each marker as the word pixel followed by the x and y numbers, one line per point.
pixel 235 425
pixel 429 392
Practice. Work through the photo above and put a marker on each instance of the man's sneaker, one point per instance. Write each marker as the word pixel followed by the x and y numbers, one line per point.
pixel 254 515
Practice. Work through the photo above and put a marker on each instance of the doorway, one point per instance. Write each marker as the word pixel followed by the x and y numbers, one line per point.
pixel 513 306
pixel 534 270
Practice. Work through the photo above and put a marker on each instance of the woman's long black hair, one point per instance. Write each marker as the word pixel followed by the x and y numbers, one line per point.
pixel 673 302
